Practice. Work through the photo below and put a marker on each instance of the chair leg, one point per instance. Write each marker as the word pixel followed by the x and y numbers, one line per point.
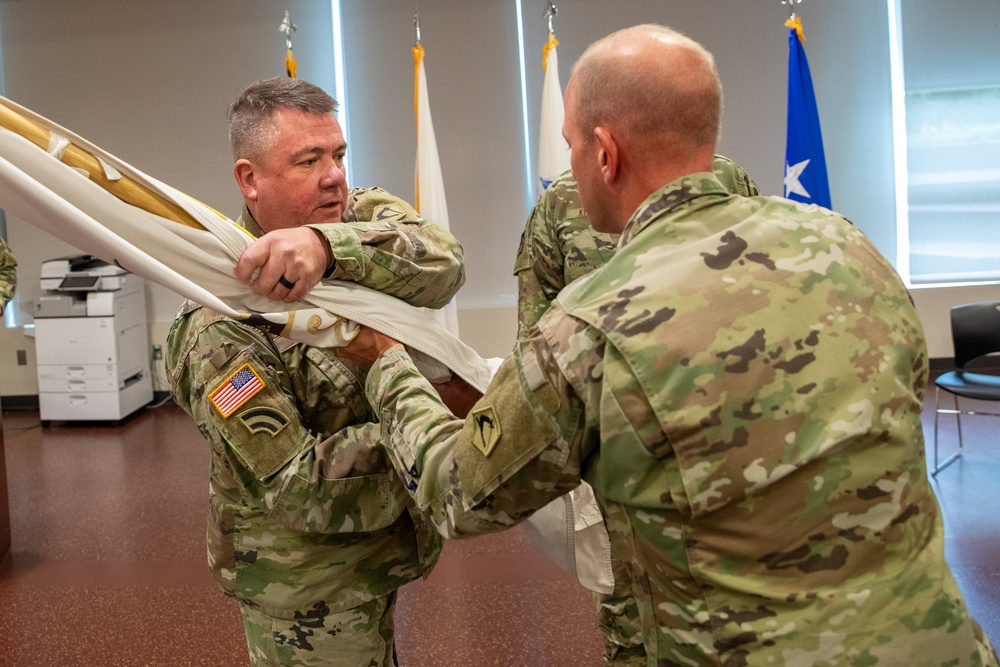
pixel 938 467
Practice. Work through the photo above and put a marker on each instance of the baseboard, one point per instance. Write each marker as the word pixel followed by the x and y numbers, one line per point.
pixel 942 364
pixel 988 364
pixel 28 402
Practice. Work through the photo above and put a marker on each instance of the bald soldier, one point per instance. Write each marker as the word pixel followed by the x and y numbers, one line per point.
pixel 557 247
pixel 741 384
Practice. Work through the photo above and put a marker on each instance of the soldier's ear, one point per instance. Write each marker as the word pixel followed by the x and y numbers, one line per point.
pixel 246 178
pixel 608 155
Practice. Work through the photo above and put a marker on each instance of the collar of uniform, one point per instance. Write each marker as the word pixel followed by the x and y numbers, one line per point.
pixel 247 222
pixel 671 197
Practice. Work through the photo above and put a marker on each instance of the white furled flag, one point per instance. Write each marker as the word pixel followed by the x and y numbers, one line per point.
pixel 65 185
pixel 553 153
pixel 805 163
pixel 429 184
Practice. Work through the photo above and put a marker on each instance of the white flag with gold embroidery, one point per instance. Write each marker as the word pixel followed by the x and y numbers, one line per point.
pixel 429 184
pixel 553 153
pixel 63 184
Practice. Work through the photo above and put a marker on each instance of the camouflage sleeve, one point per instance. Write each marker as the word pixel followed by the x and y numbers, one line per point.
pixel 517 450
pixel 385 245
pixel 309 481
pixel 8 274
pixel 732 175
pixel 539 262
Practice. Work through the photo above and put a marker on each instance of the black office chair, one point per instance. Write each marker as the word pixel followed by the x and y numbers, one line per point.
pixel 975 332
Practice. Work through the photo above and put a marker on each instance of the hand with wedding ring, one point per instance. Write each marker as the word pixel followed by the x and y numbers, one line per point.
pixel 287 262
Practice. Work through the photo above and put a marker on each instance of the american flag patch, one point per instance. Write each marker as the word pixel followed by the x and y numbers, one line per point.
pixel 236 390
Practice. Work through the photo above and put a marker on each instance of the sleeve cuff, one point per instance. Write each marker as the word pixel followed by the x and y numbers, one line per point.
pixel 348 259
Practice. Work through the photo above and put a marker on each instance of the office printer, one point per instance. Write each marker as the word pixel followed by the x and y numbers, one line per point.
pixel 91 341
pixel 82 286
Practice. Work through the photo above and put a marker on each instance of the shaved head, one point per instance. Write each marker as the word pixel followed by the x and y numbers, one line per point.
pixel 658 88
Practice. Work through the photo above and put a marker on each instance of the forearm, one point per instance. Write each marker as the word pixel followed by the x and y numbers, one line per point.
pixel 463 489
pixel 538 267
pixel 383 244
pixel 421 264
pixel 532 301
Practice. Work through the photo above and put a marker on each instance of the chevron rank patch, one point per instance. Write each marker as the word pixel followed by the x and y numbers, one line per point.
pixel 263 420
pixel 238 388
pixel 389 212
pixel 487 431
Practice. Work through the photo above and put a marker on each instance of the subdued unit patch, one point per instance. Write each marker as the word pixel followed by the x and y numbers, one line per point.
pixel 263 420
pixel 487 432
pixel 389 212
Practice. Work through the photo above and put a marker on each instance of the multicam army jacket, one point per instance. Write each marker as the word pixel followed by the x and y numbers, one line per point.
pixel 8 274
pixel 741 384
pixel 559 245
pixel 305 509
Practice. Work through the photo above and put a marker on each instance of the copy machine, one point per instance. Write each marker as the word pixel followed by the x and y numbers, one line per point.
pixel 91 341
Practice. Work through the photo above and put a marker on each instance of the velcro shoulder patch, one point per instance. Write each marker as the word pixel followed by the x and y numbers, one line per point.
pixel 487 431
pixel 498 448
pixel 236 390
pixel 265 433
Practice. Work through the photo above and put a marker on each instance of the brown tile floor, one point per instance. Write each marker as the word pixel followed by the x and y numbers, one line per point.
pixel 107 565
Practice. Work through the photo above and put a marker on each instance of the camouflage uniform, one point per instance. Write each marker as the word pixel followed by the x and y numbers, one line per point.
pixel 557 247
pixel 741 384
pixel 309 527
pixel 8 274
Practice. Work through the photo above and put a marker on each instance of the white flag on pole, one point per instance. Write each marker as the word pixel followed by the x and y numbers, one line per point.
pixel 430 199
pixel 553 153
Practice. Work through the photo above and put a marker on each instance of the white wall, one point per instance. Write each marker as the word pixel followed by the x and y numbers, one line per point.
pixel 150 82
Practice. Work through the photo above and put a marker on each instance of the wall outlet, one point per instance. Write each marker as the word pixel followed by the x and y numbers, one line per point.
pixel 157 352
pixel 22 358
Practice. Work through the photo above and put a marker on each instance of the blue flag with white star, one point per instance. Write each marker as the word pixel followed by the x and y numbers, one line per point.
pixel 805 163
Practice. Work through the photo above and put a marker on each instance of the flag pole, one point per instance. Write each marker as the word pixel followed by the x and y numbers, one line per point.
pixel 553 154
pixel 128 190
pixel 288 28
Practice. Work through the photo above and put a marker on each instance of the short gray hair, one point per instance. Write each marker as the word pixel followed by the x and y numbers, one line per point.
pixel 250 127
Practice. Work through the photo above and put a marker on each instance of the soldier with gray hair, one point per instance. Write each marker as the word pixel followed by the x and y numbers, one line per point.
pixel 309 527
pixel 741 384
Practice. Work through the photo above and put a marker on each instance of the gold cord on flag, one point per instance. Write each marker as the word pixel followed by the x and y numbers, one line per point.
pixel 548 46
pixel 796 24
pixel 123 187
pixel 418 56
